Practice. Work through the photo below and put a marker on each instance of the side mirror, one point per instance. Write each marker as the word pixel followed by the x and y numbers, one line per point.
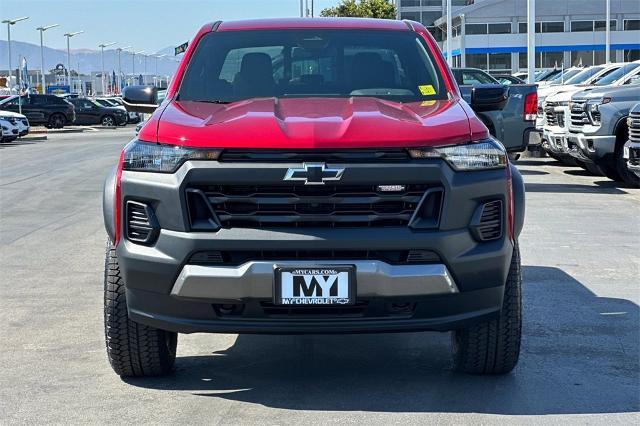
pixel 489 97
pixel 140 98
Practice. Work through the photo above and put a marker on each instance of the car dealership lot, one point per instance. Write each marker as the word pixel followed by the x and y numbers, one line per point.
pixel 581 259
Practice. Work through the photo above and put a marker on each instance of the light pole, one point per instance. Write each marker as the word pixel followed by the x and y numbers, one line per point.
pixel 133 62
pixel 531 41
pixel 68 36
pixel 157 57
pixel 144 74
pixel 102 46
pixel 608 35
pixel 119 50
pixel 9 23
pixel 43 29
pixel 449 34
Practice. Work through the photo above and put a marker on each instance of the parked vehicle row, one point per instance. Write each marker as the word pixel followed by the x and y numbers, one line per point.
pixel 55 112
pixel 584 122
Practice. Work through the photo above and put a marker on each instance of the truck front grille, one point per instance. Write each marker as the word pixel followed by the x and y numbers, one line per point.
pixel 634 127
pixel 579 116
pixel 550 113
pixel 295 205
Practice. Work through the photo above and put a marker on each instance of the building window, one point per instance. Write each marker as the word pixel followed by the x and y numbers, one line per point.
pixel 412 16
pixel 602 25
pixel 632 24
pixel 502 28
pixel 552 27
pixel 475 29
pixel 410 3
pixel 582 58
pixel 522 27
pixel 456 31
pixel 436 33
pixel 543 60
pixel 600 55
pixel 499 61
pixel 579 26
pixel 428 18
pixel 431 3
pixel 477 60
pixel 631 55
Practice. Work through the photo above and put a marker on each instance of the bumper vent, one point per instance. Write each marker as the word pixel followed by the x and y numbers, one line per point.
pixel 487 222
pixel 333 206
pixel 238 257
pixel 142 226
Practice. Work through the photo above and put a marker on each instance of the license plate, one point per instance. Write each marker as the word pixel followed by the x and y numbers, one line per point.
pixel 319 285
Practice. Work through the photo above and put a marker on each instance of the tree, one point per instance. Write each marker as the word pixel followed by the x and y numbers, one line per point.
pixel 382 9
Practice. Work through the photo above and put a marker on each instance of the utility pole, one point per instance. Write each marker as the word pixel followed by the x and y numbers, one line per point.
pixel 102 46
pixel 133 62
pixel 302 8
pixel 608 33
pixel 9 23
pixel 42 30
pixel 119 79
pixel 531 41
pixel 449 34
pixel 68 36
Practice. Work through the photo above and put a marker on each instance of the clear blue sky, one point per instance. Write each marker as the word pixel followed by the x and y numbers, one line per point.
pixel 148 25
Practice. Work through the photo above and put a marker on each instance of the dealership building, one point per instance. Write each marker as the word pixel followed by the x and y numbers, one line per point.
pixel 492 34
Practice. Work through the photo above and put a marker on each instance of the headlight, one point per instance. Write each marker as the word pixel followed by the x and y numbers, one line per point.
pixel 152 157
pixel 481 155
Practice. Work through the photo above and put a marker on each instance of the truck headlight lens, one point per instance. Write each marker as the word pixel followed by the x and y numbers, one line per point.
pixel 152 157
pixel 481 155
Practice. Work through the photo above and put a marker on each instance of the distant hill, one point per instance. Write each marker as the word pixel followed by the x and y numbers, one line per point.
pixel 87 60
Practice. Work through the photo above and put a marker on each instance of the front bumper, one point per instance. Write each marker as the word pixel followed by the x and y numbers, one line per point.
pixel 632 155
pixel 167 290
pixel 594 149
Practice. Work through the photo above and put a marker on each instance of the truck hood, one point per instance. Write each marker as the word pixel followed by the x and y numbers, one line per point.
pixel 626 92
pixel 355 122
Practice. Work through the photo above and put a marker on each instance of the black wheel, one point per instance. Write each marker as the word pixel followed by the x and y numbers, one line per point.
pixel 134 350
pixel 108 121
pixel 493 347
pixel 626 175
pixel 56 121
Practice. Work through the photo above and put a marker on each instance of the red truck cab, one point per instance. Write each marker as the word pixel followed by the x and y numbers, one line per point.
pixel 313 176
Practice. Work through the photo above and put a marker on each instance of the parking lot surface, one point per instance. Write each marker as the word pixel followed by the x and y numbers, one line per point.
pixel 579 362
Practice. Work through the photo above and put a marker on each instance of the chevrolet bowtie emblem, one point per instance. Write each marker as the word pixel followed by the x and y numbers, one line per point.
pixel 314 174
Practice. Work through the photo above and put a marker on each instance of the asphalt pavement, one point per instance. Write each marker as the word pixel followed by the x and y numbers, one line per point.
pixel 580 359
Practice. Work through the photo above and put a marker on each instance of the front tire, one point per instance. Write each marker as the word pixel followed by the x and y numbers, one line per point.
pixel 134 350
pixel 108 121
pixel 493 347
pixel 56 121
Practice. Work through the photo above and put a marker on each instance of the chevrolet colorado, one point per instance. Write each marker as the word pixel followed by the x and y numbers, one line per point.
pixel 313 176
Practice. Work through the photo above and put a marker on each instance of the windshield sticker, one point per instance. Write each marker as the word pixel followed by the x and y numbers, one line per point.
pixel 427 89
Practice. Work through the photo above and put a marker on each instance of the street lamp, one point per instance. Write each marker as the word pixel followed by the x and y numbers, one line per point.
pixel 157 57
pixel 43 29
pixel 9 23
pixel 102 46
pixel 119 50
pixel 133 62
pixel 68 36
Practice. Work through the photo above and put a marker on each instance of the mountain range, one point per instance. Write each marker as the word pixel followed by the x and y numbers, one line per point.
pixel 84 60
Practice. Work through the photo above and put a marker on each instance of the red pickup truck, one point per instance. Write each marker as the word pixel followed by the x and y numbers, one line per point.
pixel 313 176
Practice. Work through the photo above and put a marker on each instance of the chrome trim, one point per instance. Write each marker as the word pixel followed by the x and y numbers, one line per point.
pixel 255 279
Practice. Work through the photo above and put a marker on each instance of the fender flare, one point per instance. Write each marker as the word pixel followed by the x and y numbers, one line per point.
pixel 108 193
pixel 517 185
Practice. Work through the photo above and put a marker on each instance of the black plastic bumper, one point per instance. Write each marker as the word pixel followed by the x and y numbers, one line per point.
pixel 479 269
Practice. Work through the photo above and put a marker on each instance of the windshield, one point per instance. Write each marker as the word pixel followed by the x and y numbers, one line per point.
pixel 235 65
pixel 564 76
pixel 6 100
pixel 583 75
pixel 617 74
